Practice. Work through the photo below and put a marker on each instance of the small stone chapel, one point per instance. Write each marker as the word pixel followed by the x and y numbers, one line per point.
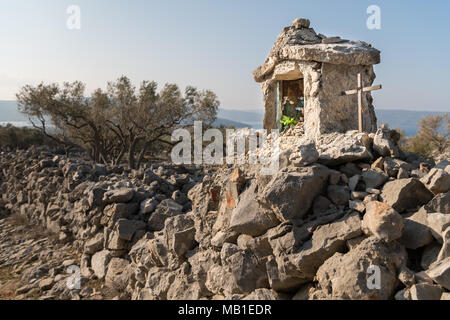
pixel 307 75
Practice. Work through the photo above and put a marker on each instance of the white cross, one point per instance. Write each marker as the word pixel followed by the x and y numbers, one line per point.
pixel 359 91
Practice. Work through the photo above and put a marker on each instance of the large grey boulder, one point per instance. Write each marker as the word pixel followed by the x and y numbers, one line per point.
pixel 248 272
pixel 290 193
pixel 347 276
pixel 437 180
pixel 440 203
pixel 336 148
pixel 283 275
pixel 249 216
pixel 382 221
pixel 148 206
pixel 440 273
pixel 94 244
pixel 374 178
pixel 425 291
pixel 385 143
pixel 326 240
pixel 118 274
pixel 167 208
pixel 430 255
pixel 115 211
pixel 99 263
pixel 340 195
pixel 304 154
pixel 127 228
pixel 416 233
pixel 438 223
pixel 445 250
pixel 395 167
pixel 405 194
pixel 118 196
pixel 180 234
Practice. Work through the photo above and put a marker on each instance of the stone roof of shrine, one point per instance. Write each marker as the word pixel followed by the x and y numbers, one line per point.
pixel 299 42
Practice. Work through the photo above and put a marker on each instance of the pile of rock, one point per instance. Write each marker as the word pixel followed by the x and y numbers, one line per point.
pixel 100 211
pixel 348 216
pixel 339 211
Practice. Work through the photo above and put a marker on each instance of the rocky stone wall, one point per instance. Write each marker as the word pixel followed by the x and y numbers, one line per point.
pixel 336 209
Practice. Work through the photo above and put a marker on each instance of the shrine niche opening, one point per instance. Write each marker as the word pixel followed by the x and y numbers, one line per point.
pixel 290 102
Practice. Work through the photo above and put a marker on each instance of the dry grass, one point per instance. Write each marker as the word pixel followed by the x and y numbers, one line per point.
pixel 34 231
pixel 9 281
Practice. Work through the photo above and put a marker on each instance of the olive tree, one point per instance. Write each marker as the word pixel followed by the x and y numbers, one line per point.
pixel 120 122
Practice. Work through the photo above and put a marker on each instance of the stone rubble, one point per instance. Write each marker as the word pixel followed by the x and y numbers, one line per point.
pixel 336 211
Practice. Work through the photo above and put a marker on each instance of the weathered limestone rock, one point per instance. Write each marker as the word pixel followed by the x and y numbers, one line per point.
pixel 440 273
pixel 100 262
pixel 335 149
pixel 283 276
pixel 425 291
pixel 127 228
pixel 247 272
pixel 405 194
pixel 353 182
pixel 438 223
pixel 114 212
pixel 374 178
pixel 118 274
pixel 301 23
pixel 220 281
pixel 385 143
pixel 437 180
pixel 430 255
pixel 345 276
pixel 250 217
pixel 94 244
pixel 445 250
pixel 339 195
pixel 302 44
pixel 180 234
pixel 382 221
pixel 291 192
pixel 148 206
pixel 440 203
pixel 304 154
pixel 118 196
pixel 167 208
pixel 321 205
pixel 392 167
pixel 416 233
pixel 326 241
pixel 46 284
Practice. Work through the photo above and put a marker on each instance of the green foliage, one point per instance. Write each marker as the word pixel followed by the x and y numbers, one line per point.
pixel 21 138
pixel 122 121
pixel 432 138
pixel 288 122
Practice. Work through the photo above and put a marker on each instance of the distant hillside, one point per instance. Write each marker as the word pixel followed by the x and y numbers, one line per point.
pixel 227 123
pixel 252 118
pixel 405 120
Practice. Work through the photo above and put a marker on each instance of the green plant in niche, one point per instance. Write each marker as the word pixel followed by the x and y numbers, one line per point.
pixel 288 122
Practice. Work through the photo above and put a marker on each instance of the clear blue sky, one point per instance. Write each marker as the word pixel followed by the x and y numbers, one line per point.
pixel 217 44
